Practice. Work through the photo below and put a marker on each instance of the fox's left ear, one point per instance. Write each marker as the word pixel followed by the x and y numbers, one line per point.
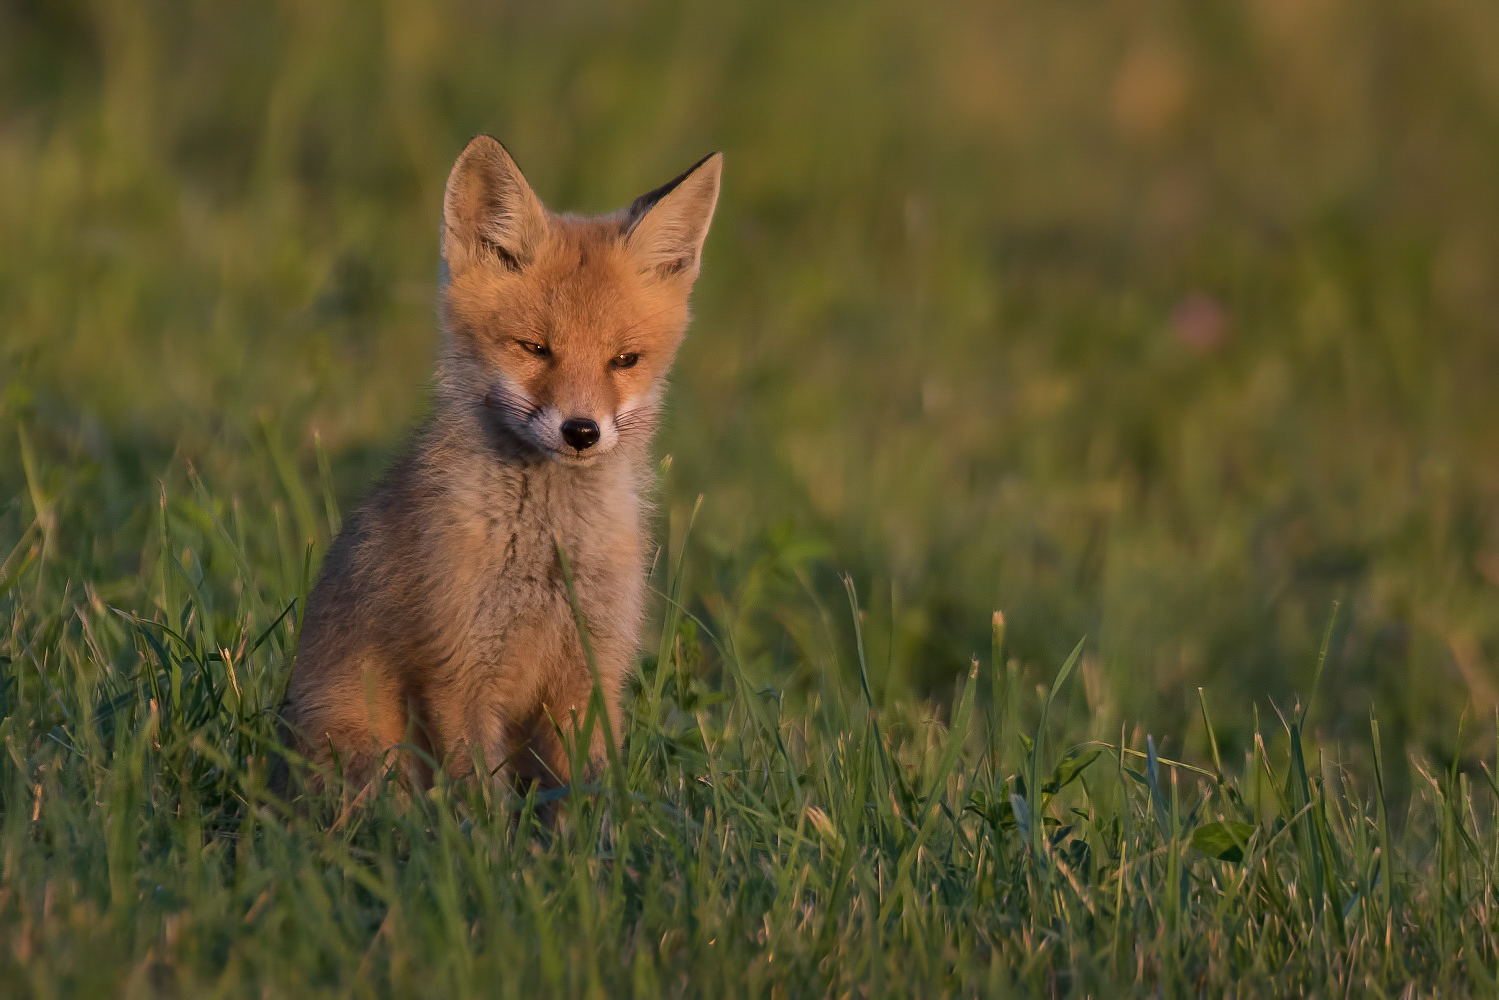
pixel 665 229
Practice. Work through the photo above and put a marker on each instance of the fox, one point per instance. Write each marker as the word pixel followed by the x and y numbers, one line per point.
pixel 495 577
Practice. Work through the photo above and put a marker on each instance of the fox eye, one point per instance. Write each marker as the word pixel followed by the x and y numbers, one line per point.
pixel 531 347
pixel 626 360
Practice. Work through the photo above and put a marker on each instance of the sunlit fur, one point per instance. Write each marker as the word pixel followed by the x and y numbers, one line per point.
pixel 441 621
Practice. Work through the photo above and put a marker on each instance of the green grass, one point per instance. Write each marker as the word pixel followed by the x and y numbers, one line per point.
pixel 746 843
pixel 1167 325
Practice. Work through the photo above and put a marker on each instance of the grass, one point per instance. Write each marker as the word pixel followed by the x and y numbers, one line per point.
pixel 1170 326
pixel 745 843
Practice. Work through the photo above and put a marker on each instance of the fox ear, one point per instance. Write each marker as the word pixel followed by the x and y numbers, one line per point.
pixel 665 229
pixel 488 210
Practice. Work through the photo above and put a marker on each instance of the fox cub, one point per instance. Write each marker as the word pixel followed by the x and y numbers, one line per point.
pixel 441 620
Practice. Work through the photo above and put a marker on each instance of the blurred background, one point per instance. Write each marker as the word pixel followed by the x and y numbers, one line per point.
pixel 1165 323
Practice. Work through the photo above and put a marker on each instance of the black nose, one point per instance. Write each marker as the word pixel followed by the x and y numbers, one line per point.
pixel 580 433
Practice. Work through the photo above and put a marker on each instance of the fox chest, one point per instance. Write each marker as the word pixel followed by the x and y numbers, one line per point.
pixel 515 599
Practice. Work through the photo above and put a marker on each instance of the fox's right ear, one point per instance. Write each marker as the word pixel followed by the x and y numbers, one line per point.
pixel 489 212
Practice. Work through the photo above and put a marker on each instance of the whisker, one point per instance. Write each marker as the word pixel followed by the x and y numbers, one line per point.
pixel 512 406
pixel 648 407
pixel 640 418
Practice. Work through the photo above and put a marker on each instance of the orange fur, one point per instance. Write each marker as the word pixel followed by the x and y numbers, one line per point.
pixel 440 619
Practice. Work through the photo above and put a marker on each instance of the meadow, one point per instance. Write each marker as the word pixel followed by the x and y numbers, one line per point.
pixel 1166 331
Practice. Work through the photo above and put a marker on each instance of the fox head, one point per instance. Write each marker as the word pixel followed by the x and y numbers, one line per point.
pixel 561 329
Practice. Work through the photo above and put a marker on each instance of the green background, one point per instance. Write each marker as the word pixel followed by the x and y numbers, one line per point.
pixel 1167 323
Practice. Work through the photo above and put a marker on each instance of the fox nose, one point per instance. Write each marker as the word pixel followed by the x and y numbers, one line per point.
pixel 580 432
